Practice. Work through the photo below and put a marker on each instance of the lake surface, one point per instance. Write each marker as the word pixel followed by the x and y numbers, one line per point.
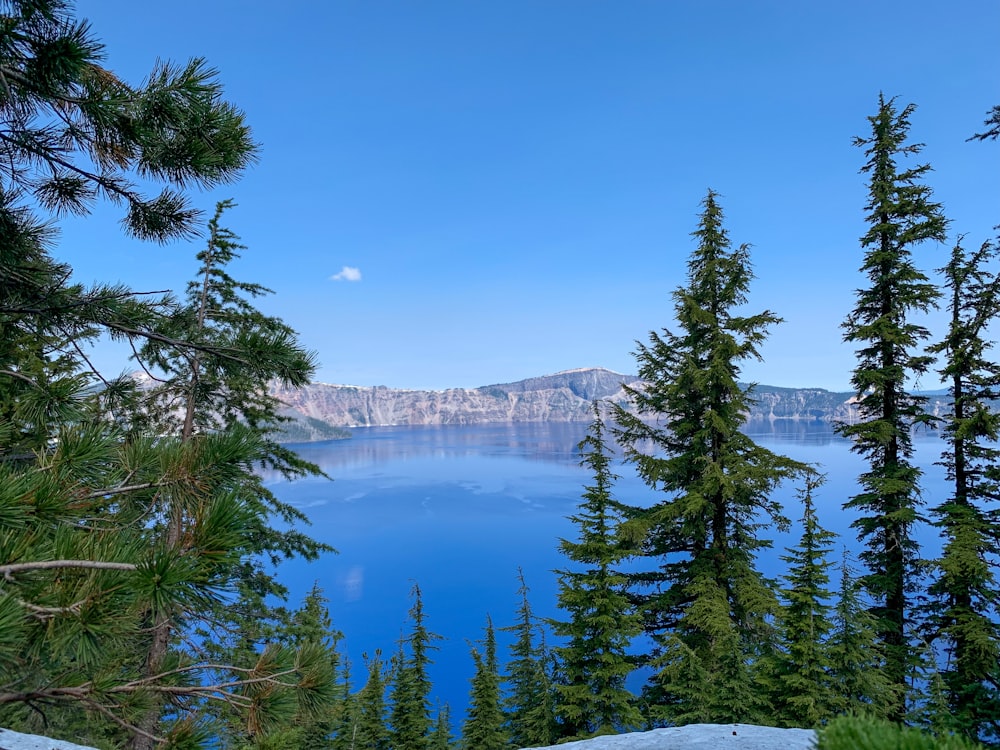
pixel 458 509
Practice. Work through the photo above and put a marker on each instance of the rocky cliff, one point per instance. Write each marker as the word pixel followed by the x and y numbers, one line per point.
pixel 562 397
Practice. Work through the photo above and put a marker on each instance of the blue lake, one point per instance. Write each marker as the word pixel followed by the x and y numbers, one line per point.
pixel 458 509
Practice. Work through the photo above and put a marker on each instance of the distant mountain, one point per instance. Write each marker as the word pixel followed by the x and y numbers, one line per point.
pixel 562 397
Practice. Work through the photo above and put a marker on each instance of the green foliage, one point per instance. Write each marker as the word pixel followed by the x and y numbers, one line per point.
pixel 804 695
pixel 116 531
pixel 961 615
pixel 859 683
pixel 992 124
pixel 594 661
pixel 706 606
pixel 369 730
pixel 484 724
pixel 411 718
pixel 900 216
pixel 320 703
pixel 852 733
pixel 76 133
pixel 217 386
pixel 706 671
pixel 440 738
pixel 529 701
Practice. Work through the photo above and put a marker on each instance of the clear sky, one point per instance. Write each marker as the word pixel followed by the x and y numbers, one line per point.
pixel 454 194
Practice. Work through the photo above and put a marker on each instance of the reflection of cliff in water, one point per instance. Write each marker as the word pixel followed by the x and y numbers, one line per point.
pixel 534 441
pixel 548 442
pixel 801 431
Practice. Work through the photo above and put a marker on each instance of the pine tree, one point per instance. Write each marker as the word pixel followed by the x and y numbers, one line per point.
pixel 344 721
pixel 992 124
pixel 75 132
pixel 441 738
pixel 900 216
pixel 88 575
pixel 320 708
pixel 528 702
pixel 411 718
pixel 594 661
pixel 221 388
pixel 484 724
pixel 706 606
pixel 370 731
pixel 83 577
pixel 306 718
pixel 860 686
pixel 964 595
pixel 804 694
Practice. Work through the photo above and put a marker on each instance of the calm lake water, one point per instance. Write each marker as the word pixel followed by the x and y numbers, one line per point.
pixel 458 509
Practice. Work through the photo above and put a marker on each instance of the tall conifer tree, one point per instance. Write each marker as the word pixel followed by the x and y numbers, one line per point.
pixel 961 617
pixel 594 661
pixel 706 606
pixel 901 215
pixel 370 731
pixel 860 685
pixel 221 387
pixel 411 718
pixel 441 738
pixel 529 701
pixel 86 573
pixel 804 693
pixel 484 724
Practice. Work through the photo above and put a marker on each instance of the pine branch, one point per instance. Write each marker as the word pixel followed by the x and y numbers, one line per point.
pixel 9 570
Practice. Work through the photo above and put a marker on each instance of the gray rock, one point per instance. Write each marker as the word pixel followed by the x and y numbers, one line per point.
pixel 16 741
pixel 701 737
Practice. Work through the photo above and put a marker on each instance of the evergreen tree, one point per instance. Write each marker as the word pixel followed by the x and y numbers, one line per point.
pixel 804 694
pixel 441 738
pixel 75 132
pixel 900 216
pixel 308 716
pixel 347 710
pixel 706 606
pixel 484 724
pixel 594 662
pixel 239 352
pixel 992 124
pixel 964 595
pixel 411 718
pixel 860 686
pixel 370 731
pixel 528 702
pixel 220 387
pixel 319 710
pixel 85 570
pixel 927 698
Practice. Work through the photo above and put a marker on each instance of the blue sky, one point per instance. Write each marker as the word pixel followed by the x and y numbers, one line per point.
pixel 512 185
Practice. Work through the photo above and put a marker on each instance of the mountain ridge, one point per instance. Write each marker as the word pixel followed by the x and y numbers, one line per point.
pixel 564 396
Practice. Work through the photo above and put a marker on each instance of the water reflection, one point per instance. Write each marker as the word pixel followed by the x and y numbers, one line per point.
pixel 799 431
pixel 549 443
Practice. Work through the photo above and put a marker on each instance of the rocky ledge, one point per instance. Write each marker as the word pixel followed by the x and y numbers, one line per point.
pixel 562 397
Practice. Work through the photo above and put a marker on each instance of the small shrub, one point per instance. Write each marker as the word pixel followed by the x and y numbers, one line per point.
pixel 856 733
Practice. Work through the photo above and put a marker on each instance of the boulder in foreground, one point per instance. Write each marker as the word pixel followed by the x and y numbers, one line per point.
pixel 16 741
pixel 701 737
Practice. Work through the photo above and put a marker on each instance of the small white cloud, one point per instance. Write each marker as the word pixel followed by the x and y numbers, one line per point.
pixel 347 273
